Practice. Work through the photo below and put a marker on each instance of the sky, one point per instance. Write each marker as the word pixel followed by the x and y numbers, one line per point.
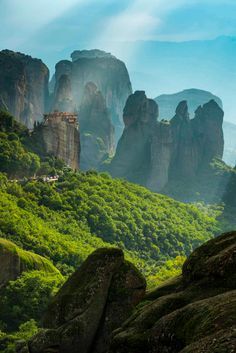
pixel 52 29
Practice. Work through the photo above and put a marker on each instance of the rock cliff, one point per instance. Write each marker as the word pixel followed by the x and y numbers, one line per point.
pixel 96 309
pixel 133 154
pixel 108 74
pixel 96 129
pixel 94 301
pixel 23 86
pixel 61 137
pixel 155 153
pixel 196 97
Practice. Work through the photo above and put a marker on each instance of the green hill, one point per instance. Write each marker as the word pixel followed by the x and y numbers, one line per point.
pixel 68 219
pixel 65 220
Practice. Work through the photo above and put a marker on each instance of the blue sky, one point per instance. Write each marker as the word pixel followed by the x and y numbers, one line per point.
pixel 52 29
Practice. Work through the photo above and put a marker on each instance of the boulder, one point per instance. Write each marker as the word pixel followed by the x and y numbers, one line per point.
pixel 94 301
pixel 192 313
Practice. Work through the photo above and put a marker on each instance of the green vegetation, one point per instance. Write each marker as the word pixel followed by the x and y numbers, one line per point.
pixel 29 260
pixel 66 220
pixel 33 291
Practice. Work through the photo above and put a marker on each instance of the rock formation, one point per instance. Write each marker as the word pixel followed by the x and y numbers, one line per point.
pixel 132 159
pixel 108 74
pixel 94 301
pixel 191 313
pixel 196 97
pixel 61 138
pixel 155 153
pixel 96 129
pixel 23 86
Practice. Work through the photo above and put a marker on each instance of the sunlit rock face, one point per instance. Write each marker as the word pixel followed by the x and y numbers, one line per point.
pixel 109 75
pixel 155 153
pixel 61 137
pixel 23 86
pixel 96 129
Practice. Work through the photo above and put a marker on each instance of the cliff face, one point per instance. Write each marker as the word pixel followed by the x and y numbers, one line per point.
pixel 62 140
pixel 195 98
pixel 133 154
pixel 156 153
pixel 108 74
pixel 23 86
pixel 96 129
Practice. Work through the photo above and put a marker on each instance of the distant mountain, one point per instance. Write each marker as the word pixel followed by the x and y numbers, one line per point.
pixel 168 102
pixel 160 66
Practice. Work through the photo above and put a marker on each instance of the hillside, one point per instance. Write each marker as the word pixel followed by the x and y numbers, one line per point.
pixel 59 222
pixel 68 219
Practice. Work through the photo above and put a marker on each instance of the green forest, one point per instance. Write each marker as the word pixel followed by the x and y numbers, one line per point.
pixel 53 226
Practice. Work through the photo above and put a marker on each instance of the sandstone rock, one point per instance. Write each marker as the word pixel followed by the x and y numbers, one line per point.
pixel 132 159
pixel 97 131
pixel 61 138
pixel 23 86
pixel 193 313
pixel 171 154
pixel 108 74
pixel 96 299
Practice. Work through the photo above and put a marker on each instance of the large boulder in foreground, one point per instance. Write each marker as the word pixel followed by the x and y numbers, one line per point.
pixel 94 301
pixel 194 313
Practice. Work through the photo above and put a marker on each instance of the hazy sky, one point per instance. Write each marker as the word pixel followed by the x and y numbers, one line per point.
pixel 52 29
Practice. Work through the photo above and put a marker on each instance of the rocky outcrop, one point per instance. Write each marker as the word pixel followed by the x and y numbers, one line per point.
pixel 15 260
pixel 23 86
pixel 195 98
pixel 96 129
pixel 193 313
pixel 133 154
pixel 94 301
pixel 61 137
pixel 155 153
pixel 108 74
